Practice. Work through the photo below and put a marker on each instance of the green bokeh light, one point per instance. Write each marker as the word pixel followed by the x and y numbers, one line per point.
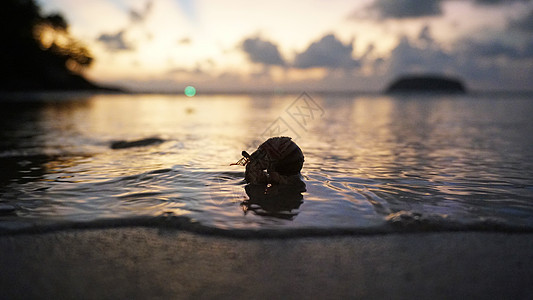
pixel 190 91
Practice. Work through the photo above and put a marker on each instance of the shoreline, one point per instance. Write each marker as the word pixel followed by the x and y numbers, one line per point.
pixel 12 225
pixel 141 262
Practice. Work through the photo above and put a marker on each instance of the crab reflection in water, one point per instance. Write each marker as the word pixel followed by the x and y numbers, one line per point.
pixel 279 201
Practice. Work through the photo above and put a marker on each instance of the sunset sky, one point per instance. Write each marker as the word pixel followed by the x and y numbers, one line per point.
pixel 281 45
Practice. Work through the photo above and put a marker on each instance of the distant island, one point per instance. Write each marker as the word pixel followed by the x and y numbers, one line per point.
pixel 426 83
pixel 38 53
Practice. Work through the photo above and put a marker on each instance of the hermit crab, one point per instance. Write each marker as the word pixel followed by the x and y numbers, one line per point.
pixel 276 161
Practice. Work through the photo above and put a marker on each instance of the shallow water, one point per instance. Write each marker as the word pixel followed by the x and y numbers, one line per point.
pixel 371 161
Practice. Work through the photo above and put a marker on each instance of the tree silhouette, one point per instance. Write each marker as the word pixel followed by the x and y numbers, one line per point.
pixel 37 52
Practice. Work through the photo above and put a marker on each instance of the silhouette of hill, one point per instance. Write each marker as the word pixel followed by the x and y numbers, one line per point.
pixel 37 51
pixel 427 83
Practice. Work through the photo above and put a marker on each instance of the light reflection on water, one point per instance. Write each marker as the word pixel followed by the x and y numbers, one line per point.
pixel 368 160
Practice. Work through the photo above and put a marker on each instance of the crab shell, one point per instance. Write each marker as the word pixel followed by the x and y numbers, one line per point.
pixel 277 160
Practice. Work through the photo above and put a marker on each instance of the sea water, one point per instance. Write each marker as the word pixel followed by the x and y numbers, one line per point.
pixel 373 163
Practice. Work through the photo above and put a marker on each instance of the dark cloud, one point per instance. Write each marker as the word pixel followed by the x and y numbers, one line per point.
pixel 401 9
pixel 405 9
pixel 425 35
pixel 492 63
pixel 524 24
pixel 418 55
pixel 329 53
pixel 497 48
pixel 115 42
pixel 140 16
pixel 491 49
pixel 527 51
pixel 498 2
pixel 408 58
pixel 479 73
pixel 520 48
pixel 263 52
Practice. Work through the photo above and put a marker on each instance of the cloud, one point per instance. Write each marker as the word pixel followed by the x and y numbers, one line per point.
pixel 263 52
pixel 408 58
pixel 329 53
pixel 422 55
pixel 140 16
pixel 491 49
pixel 185 41
pixel 484 64
pixel 184 71
pixel 524 24
pixel 115 42
pixel 425 35
pixel 527 51
pixel 498 2
pixel 401 9
pixel 406 9
pixel 518 48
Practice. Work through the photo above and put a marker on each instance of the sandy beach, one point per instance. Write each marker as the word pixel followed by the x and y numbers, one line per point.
pixel 149 263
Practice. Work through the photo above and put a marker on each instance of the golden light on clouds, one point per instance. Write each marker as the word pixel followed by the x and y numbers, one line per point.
pixel 145 42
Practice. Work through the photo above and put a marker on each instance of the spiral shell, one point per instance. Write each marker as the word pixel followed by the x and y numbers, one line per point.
pixel 275 161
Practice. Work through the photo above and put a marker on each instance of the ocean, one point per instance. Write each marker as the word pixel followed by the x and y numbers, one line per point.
pixel 373 163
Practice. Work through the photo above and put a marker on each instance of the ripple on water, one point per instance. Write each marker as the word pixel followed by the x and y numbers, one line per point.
pixel 371 162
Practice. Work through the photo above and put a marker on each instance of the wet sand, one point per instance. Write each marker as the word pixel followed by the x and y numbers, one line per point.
pixel 148 263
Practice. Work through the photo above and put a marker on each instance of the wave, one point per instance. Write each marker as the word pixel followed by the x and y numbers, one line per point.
pixel 400 222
